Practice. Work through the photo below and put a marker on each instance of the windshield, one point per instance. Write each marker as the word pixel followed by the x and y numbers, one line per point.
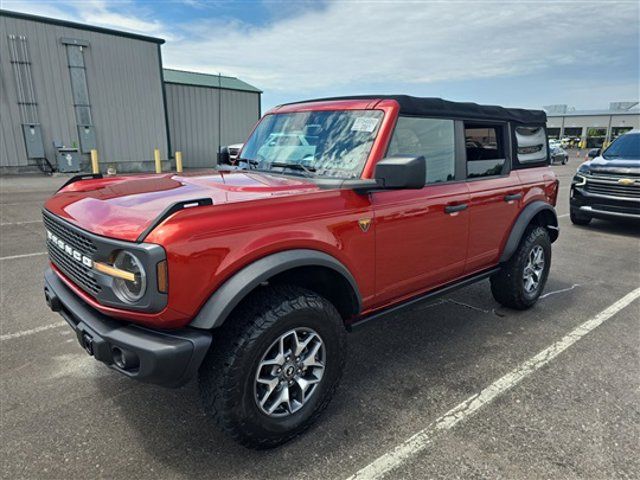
pixel 626 146
pixel 332 143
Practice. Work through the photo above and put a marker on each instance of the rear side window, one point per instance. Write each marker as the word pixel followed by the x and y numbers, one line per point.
pixel 531 145
pixel 485 149
pixel 431 138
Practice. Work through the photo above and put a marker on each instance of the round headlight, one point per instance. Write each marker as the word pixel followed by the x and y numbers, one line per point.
pixel 126 290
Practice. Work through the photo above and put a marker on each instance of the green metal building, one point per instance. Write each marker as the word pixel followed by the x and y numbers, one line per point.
pixel 68 86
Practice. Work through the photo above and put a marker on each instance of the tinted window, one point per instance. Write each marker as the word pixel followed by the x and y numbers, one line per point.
pixel 431 138
pixel 531 144
pixel 627 147
pixel 485 149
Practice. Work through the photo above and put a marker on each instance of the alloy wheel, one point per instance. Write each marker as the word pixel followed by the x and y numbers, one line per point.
pixel 533 270
pixel 289 372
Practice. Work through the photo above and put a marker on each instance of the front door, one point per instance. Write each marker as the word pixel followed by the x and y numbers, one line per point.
pixel 421 235
pixel 421 239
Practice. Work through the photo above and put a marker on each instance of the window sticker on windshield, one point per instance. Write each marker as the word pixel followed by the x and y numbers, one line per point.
pixel 364 124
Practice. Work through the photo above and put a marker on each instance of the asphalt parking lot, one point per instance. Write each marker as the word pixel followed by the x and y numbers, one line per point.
pixel 576 415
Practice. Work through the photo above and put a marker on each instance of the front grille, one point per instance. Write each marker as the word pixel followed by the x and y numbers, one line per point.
pixel 74 238
pixel 613 189
pixel 612 176
pixel 79 273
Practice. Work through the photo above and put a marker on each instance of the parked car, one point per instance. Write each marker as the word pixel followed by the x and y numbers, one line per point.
pixel 592 153
pixel 558 155
pixel 234 150
pixel 608 184
pixel 553 143
pixel 251 279
pixel 229 154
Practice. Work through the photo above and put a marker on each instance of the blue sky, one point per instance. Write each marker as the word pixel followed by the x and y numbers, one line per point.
pixel 513 53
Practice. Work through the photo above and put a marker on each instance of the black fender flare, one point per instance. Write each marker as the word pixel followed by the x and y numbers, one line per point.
pixel 523 220
pixel 227 297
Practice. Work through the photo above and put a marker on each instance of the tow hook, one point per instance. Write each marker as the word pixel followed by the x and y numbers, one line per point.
pixel 53 302
pixel 87 343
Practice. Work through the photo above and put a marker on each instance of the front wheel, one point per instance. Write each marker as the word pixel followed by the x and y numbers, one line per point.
pixel 522 278
pixel 274 367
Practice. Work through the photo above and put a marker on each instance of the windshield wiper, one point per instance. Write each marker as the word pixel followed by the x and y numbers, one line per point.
pixel 252 163
pixel 293 166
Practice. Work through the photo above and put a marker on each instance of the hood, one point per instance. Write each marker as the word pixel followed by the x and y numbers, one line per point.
pixel 123 207
pixel 618 166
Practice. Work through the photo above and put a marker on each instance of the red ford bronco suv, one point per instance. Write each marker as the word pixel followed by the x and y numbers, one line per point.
pixel 347 209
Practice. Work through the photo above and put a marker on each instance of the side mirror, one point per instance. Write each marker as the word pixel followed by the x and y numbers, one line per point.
pixel 401 172
pixel 593 153
pixel 223 156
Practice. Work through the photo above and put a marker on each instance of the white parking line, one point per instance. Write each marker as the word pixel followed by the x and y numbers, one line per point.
pixel 563 215
pixel 421 440
pixel 20 204
pixel 19 223
pixel 554 292
pixel 24 255
pixel 24 333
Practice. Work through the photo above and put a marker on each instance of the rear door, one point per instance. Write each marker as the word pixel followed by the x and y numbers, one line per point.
pixel 421 235
pixel 495 192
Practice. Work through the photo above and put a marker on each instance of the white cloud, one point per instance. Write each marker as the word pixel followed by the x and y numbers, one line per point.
pixel 122 15
pixel 407 42
pixel 351 46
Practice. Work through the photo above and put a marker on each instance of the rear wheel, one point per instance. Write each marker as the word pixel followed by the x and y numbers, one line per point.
pixel 522 278
pixel 578 218
pixel 274 367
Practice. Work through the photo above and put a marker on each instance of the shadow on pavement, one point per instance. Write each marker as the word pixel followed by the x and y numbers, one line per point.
pixel 419 363
pixel 623 227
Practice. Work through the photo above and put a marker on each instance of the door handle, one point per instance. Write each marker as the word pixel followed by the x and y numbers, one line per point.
pixel 512 196
pixel 455 208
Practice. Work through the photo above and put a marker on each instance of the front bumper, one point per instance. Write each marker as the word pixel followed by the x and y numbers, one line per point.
pixel 603 206
pixel 168 358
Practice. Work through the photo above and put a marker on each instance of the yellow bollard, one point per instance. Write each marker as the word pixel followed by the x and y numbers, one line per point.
pixel 95 168
pixel 156 156
pixel 179 162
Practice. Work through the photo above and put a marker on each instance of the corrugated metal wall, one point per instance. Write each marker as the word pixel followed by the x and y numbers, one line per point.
pixel 193 120
pixel 125 92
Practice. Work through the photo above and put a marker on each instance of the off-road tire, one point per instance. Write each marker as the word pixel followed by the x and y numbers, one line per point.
pixel 507 285
pixel 579 219
pixel 227 375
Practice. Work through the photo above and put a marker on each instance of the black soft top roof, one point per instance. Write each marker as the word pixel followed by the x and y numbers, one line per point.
pixel 437 107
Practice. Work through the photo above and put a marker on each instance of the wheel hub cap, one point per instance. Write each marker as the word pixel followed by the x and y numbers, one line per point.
pixel 289 372
pixel 533 269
